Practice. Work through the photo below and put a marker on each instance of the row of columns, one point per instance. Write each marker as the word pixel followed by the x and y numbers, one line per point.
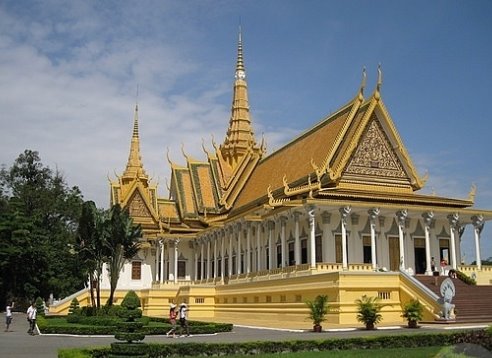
pixel 219 238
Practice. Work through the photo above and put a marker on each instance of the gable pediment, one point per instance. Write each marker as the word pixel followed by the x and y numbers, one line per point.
pixel 138 208
pixel 374 156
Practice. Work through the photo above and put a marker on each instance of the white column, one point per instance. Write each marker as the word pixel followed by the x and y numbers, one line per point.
pixel 176 255
pixel 297 240
pixel 161 275
pixel 453 224
pixel 248 247
pixel 401 217
pixel 344 213
pixel 208 257
pixel 230 232
pixel 312 235
pixel 373 214
pixel 202 261
pixel 428 217
pixel 222 256
pixel 215 238
pixel 270 244
pixel 238 254
pixel 195 260
pixel 258 247
pixel 283 242
pixel 478 224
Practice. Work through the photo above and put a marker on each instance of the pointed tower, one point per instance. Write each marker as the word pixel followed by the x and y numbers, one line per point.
pixel 134 167
pixel 133 188
pixel 240 137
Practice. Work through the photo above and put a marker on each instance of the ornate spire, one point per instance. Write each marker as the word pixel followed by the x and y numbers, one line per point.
pixel 240 137
pixel 240 70
pixel 134 167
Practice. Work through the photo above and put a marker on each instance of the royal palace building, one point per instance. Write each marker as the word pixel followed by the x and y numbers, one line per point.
pixel 336 211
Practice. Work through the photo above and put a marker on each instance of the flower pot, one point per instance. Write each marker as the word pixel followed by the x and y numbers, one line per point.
pixel 370 325
pixel 412 324
pixel 317 328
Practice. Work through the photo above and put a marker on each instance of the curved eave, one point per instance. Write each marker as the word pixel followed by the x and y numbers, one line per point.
pixel 402 199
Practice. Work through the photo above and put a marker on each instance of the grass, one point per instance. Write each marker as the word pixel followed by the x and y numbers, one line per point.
pixel 422 352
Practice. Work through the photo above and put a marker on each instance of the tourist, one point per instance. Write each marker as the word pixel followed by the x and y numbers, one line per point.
pixel 433 265
pixel 444 263
pixel 183 319
pixel 31 318
pixel 172 320
pixel 452 273
pixel 8 316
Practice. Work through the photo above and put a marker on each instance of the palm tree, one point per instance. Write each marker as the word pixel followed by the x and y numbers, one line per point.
pixel 122 243
pixel 90 246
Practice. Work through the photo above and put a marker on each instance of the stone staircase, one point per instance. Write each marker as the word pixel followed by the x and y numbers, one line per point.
pixel 473 303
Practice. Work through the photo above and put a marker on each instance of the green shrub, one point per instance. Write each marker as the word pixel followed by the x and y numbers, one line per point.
pixel 131 301
pixel 465 278
pixel 154 350
pixel 39 306
pixel 74 306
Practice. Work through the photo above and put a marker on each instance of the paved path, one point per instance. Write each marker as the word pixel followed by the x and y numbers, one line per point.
pixel 17 343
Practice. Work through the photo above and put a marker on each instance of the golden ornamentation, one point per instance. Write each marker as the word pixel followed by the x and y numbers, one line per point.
pixel 374 155
pixel 137 207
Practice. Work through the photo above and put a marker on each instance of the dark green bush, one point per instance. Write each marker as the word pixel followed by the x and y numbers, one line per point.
pixel 465 278
pixel 481 337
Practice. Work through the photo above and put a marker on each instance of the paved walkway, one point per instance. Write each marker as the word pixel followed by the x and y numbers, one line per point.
pixel 17 343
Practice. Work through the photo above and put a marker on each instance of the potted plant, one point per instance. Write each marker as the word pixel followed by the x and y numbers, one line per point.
pixel 317 311
pixel 413 311
pixel 368 311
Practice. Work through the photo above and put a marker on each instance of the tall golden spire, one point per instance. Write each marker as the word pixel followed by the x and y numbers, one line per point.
pixel 134 167
pixel 240 137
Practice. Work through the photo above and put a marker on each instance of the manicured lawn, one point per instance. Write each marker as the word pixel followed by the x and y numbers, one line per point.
pixel 424 352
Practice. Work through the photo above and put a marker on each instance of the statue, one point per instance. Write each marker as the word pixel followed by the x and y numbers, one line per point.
pixel 448 292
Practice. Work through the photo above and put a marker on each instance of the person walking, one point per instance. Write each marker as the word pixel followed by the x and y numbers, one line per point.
pixel 8 316
pixel 183 319
pixel 172 319
pixel 31 317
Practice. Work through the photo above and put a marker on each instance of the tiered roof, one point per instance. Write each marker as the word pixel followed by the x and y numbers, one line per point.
pixel 354 154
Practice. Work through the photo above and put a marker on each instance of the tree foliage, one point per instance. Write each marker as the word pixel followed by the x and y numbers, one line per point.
pixel 38 220
pixel 90 246
pixel 122 243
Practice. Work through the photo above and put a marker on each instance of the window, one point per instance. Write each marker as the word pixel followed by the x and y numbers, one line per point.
pixel 181 269
pixel 136 270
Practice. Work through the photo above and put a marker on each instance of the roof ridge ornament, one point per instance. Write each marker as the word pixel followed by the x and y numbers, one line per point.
pixel 272 202
pixel 363 84
pixel 379 83
pixel 168 157
pixel 183 152
pixel 472 193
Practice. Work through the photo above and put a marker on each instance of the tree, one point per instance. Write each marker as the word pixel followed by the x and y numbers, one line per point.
pixel 38 219
pixel 122 243
pixel 91 246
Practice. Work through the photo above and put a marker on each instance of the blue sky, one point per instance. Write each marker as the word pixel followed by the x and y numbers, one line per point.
pixel 69 72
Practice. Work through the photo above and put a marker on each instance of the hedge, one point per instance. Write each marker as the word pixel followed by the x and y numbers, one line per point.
pixel 480 337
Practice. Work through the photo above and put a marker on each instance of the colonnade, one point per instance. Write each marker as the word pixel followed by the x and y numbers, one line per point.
pixel 244 247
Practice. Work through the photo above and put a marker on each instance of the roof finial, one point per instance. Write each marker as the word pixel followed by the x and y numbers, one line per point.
pixel 135 122
pixel 363 83
pixel 380 78
pixel 240 71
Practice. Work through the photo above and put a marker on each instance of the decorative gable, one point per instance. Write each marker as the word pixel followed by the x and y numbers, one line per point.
pixel 374 155
pixel 138 207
